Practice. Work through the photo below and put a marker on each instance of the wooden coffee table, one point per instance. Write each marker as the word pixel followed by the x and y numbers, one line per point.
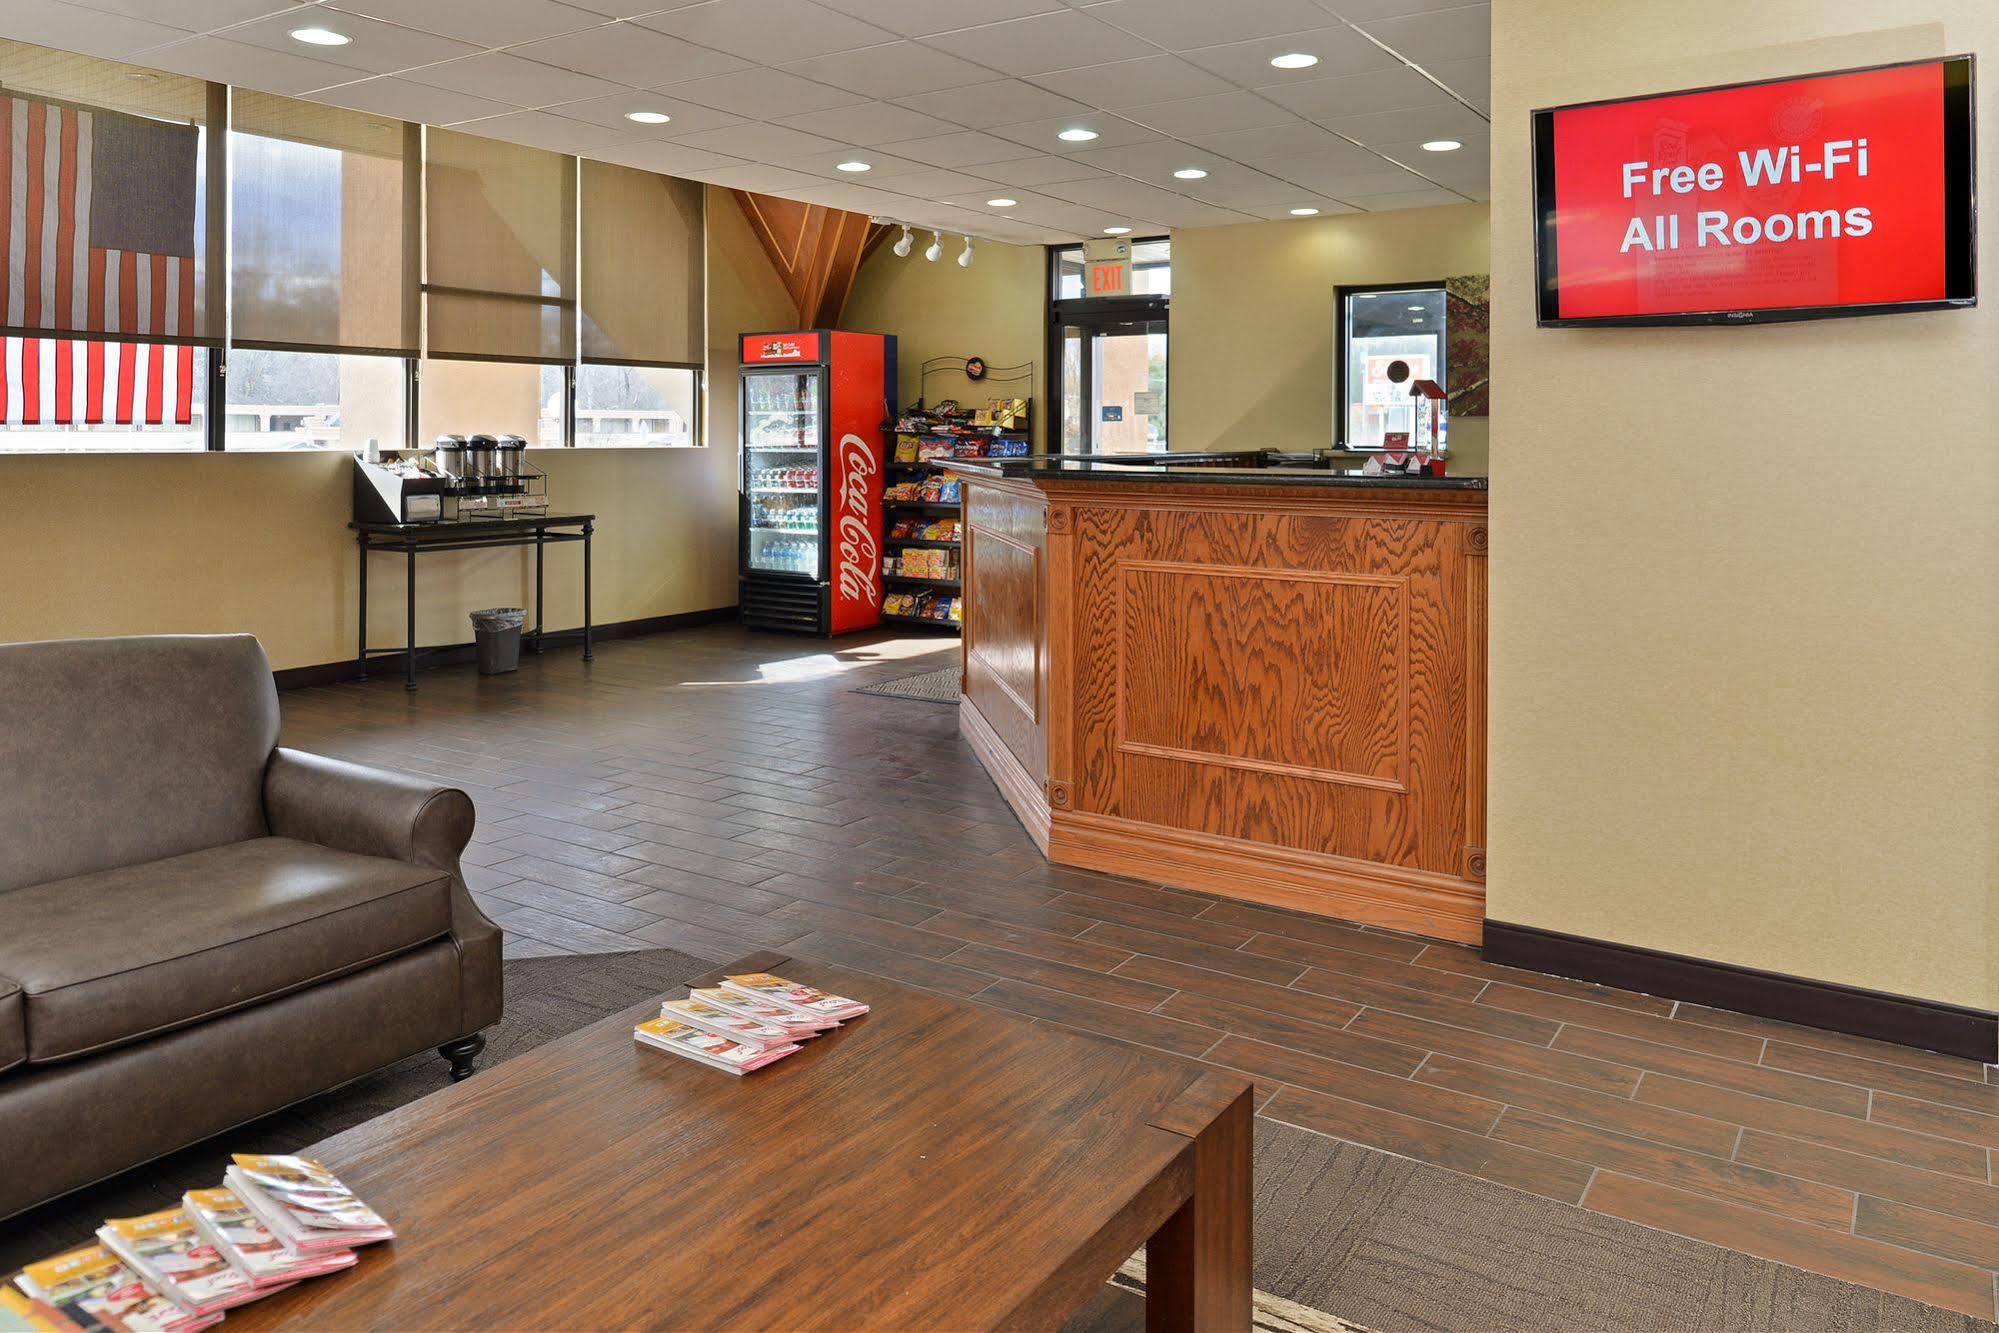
pixel 930 1165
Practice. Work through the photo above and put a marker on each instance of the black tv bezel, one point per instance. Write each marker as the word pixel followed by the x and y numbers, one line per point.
pixel 1960 211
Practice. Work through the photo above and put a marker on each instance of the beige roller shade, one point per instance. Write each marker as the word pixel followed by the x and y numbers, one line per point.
pixel 318 217
pixel 643 264
pixel 500 252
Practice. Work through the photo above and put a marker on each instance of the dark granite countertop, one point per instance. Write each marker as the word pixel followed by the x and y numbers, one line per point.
pixel 1276 470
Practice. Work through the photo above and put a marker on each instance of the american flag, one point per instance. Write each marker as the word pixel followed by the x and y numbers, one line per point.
pixel 97 226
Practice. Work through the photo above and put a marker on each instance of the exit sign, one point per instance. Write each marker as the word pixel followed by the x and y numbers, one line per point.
pixel 1107 268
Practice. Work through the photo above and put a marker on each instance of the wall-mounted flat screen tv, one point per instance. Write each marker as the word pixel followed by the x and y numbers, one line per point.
pixel 1846 193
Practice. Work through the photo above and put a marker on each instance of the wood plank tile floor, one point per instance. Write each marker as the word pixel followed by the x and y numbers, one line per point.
pixel 717 792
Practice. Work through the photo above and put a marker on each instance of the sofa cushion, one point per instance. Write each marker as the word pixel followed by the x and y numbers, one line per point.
pixel 13 1026
pixel 111 957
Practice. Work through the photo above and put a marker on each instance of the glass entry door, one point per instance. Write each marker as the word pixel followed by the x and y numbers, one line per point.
pixel 1113 386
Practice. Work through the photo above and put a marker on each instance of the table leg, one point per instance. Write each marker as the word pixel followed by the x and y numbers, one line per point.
pixel 1197 1266
pixel 540 549
pixel 361 647
pixel 409 626
pixel 589 650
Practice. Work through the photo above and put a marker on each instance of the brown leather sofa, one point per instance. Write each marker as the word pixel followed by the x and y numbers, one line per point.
pixel 196 926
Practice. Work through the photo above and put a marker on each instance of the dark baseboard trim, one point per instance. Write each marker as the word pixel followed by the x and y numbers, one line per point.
pixel 453 654
pixel 1904 1020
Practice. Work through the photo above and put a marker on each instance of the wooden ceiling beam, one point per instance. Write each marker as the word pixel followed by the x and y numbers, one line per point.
pixel 816 250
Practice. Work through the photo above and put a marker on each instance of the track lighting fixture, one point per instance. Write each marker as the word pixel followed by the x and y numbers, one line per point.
pixel 965 259
pixel 935 250
pixel 906 244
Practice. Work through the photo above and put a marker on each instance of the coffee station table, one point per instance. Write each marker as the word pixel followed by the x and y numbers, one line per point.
pixel 466 534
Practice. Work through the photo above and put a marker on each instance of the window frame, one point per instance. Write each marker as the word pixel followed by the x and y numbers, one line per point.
pixel 1083 312
pixel 1341 294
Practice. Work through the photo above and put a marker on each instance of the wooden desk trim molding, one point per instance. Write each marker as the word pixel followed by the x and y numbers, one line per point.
pixel 1437 536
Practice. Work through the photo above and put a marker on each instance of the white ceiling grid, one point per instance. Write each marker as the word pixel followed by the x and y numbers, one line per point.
pixel 951 102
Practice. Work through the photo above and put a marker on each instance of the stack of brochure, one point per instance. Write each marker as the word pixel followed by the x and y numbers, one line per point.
pixel 92 1288
pixel 171 1254
pixel 303 1203
pixel 747 1022
pixel 252 1248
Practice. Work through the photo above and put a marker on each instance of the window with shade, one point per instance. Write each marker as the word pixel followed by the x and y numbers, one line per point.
pixel 105 324
pixel 642 330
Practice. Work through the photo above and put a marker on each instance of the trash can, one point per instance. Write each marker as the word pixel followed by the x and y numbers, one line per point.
pixel 497 633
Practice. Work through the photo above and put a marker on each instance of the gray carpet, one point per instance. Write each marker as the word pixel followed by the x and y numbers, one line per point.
pixel 937 687
pixel 1382 1241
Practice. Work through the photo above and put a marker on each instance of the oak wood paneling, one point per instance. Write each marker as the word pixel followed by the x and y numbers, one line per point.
pixel 1006 639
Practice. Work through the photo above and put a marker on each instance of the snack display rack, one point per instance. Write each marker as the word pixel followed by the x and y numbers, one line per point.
pixel 923 507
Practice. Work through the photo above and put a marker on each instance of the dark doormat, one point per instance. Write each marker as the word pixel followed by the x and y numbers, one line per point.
pixel 937 687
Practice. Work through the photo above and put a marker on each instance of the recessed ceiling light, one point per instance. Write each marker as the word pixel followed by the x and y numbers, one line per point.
pixel 1001 203
pixel 1117 231
pixel 1416 308
pixel 1077 135
pixel 320 37
pixel 1294 60
pixel 1442 146
pixel 1304 212
pixel 856 165
pixel 1190 174
pixel 648 117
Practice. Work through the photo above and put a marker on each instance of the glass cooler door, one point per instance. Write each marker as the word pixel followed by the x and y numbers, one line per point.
pixel 782 430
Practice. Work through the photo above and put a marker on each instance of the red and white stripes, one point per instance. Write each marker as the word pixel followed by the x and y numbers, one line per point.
pixel 68 381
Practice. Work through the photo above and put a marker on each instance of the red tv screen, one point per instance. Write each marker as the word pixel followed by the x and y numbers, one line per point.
pixel 1841 193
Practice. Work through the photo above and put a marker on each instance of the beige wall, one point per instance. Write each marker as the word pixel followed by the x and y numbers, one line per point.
pixel 1252 358
pixel 1745 660
pixel 996 309
pixel 134 544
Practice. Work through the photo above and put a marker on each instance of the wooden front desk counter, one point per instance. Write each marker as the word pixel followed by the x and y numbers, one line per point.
pixel 1267 684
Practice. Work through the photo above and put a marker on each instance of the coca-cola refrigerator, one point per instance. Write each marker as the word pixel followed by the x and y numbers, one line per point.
pixel 813 406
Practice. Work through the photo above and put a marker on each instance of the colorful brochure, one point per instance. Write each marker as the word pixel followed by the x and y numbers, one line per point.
pixel 763 1011
pixel 794 996
pixel 252 1248
pixel 303 1203
pixel 725 1023
pixel 167 1250
pixel 99 1293
pixel 707 1048
pixel 19 1314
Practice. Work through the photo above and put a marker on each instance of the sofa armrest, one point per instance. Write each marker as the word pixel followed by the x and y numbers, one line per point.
pixel 368 810
pixel 374 812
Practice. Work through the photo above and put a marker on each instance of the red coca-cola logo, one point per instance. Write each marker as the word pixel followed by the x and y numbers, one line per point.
pixel 859 553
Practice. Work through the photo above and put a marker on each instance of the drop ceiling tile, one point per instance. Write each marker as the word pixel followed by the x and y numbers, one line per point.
pixel 1210 115
pixel 1446 34
pixel 893 69
pixel 1039 135
pixel 869 123
pixel 966 148
pixel 1124 83
pixel 1282 212
pixel 933 183
pixel 1340 49
pixel 393 95
pixel 1238 187
pixel 540 129
pixel 74 28
pixel 1360 11
pixel 759 178
pixel 1155 159
pixel 1338 175
pixel 376 47
pixel 611 111
pixel 822 167
pixel 1469 167
pixel 769 32
pixel 223 61
pixel 1395 89
pixel 484 22
pixel 853 198
pixel 1043 170
pixel 931 16
pixel 1181 25
pixel 1469 79
pixel 1064 39
pixel 758 142
pixel 1292 139
pixel 1025 202
pixel 672 159
pixel 1388 203
pixel 981 106
pixel 508 78
pixel 1193 213
pixel 624 53
pixel 1117 194
pixel 762 93
pixel 195 15
pixel 1445 120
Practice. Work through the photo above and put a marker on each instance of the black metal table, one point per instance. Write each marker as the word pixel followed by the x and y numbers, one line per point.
pixel 467 534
